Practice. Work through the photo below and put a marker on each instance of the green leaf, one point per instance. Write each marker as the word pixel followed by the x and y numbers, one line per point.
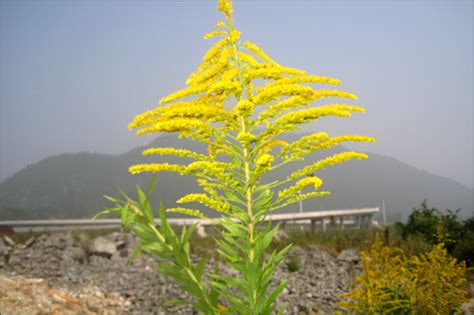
pixel 261 188
pixel 144 232
pixel 263 203
pixel 153 247
pixel 169 270
pixel 130 218
pixel 233 241
pixel 136 253
pixel 234 228
pixel 107 211
pixel 231 197
pixel 282 253
pixel 124 195
pixel 114 200
pixel 151 186
pixel 265 240
pixel 275 293
pixel 145 204
pixel 164 225
pixel 124 214
pixel 200 267
pixel 187 233
pixel 283 309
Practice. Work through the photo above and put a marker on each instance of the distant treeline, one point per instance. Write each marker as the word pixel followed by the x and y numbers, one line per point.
pixel 434 226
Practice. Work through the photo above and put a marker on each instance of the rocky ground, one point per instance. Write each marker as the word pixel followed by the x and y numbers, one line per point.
pixel 66 273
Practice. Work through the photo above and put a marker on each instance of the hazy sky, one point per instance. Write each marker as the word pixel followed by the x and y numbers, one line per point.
pixel 74 73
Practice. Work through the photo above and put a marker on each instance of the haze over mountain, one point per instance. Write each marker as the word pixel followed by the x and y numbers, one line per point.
pixel 73 185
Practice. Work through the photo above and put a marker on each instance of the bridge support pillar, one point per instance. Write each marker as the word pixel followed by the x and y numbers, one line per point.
pixel 323 223
pixel 341 222
pixel 313 224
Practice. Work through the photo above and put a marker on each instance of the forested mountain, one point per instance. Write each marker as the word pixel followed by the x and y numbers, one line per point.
pixel 73 185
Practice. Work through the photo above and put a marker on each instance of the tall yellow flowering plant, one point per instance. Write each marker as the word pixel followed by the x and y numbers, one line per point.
pixel 239 102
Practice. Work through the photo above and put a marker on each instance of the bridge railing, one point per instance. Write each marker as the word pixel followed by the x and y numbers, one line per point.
pixel 358 217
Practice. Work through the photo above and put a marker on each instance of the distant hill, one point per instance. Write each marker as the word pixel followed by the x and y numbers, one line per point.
pixel 73 185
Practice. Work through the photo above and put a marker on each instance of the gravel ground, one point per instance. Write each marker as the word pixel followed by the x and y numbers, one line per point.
pixel 72 273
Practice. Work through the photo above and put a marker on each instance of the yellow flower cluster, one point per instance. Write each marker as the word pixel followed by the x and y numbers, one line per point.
pixel 244 108
pixel 270 72
pixel 225 87
pixel 248 59
pixel 177 125
pixel 213 53
pixel 305 79
pixel 156 167
pixel 351 108
pixel 191 90
pixel 320 141
pixel 307 94
pixel 221 52
pixel 246 138
pixel 332 93
pixel 215 33
pixel 262 164
pixel 275 109
pixel 175 152
pixel 214 169
pixel 272 93
pixel 197 78
pixel 264 160
pixel 220 24
pixel 210 188
pixel 225 6
pixel 314 181
pixel 392 283
pixel 309 114
pixel 267 147
pixel 346 138
pixel 307 142
pixel 258 51
pixel 234 36
pixel 210 69
pixel 230 74
pixel 293 120
pixel 332 160
pixel 209 113
pixel 187 211
pixel 149 117
pixel 205 200
pixel 301 197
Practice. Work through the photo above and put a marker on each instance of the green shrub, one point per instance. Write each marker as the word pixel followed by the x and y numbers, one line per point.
pixel 427 223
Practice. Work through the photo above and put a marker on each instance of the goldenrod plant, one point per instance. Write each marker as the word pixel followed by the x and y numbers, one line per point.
pixel 392 283
pixel 380 287
pixel 239 102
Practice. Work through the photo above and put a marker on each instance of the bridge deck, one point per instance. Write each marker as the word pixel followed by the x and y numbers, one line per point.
pixel 283 217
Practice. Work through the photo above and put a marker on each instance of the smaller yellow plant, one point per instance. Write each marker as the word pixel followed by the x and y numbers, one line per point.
pixel 380 287
pixel 392 283
pixel 435 283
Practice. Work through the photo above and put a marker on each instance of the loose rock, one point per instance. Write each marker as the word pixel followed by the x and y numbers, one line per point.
pixel 102 246
pixel 8 241
pixel 349 255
